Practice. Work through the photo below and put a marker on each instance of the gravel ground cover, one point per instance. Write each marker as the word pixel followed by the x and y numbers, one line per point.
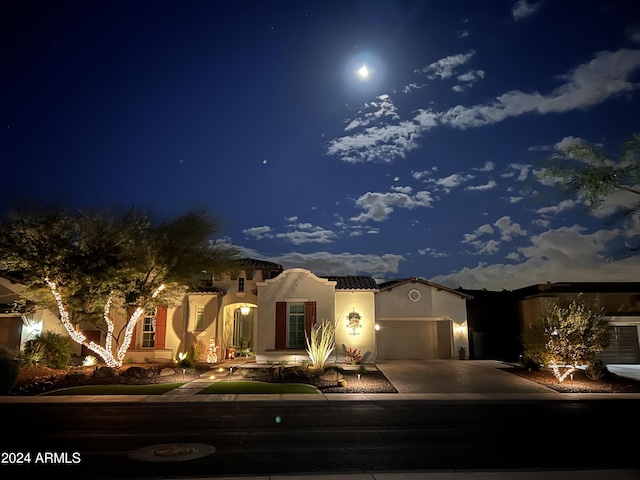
pixel 33 381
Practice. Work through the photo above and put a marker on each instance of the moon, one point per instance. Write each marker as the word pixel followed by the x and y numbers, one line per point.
pixel 363 72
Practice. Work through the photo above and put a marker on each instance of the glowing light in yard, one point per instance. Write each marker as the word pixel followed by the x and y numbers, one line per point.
pixel 561 376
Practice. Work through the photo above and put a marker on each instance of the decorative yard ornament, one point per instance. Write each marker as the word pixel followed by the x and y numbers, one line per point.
pixel 212 355
pixel 354 322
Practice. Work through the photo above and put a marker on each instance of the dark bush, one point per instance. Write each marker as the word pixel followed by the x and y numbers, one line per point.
pixel 9 370
pixel 597 370
pixel 57 349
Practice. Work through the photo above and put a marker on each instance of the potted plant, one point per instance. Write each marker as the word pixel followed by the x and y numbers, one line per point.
pixel 461 353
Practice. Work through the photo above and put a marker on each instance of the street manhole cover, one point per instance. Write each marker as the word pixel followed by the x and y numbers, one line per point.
pixel 172 452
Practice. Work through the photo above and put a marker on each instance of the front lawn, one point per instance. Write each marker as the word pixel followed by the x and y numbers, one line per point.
pixel 258 387
pixel 151 389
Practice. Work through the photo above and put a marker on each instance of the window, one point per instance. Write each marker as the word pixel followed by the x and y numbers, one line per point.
pixel 241 284
pixel 200 317
pixel 295 326
pixel 149 330
pixel 292 321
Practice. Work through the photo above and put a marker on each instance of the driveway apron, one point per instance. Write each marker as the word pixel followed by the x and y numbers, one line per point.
pixel 456 376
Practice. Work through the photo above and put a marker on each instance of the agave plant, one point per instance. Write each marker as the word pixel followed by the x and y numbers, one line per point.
pixel 321 342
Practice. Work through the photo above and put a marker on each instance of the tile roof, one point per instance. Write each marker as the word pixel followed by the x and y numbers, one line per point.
pixel 354 282
pixel 253 264
pixel 395 283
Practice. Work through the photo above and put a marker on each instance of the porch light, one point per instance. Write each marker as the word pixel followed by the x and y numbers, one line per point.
pixel 244 310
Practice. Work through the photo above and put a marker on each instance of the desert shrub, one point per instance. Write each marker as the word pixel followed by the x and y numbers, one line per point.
pixel 33 354
pixel 362 368
pixel 597 370
pixel 9 370
pixel 195 351
pixel 57 348
pixel 565 337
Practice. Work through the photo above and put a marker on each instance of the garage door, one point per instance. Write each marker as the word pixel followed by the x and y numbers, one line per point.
pixel 624 346
pixel 413 339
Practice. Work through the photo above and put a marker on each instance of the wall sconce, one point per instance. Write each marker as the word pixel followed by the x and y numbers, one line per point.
pixel 460 329
pixel 244 310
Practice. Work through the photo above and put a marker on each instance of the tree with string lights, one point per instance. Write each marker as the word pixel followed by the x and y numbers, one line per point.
pixel 86 265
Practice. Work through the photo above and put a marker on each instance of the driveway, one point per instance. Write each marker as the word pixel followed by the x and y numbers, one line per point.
pixel 456 376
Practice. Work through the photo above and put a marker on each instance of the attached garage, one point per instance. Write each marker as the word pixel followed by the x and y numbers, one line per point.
pixel 421 320
pixel 624 346
pixel 413 339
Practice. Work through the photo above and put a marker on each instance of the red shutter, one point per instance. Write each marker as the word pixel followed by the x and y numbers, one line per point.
pixel 281 325
pixel 161 327
pixel 309 316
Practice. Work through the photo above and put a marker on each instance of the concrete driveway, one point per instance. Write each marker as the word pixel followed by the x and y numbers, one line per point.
pixel 456 376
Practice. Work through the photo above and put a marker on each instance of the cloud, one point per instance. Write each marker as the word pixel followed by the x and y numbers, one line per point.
pixel 307 234
pixel 452 181
pixel 258 232
pixel 432 253
pixel 468 79
pixel 490 247
pixel 445 67
pixel 522 169
pixel 487 167
pixel 507 228
pixel 562 255
pixel 382 108
pixel 325 263
pixel 522 9
pixel 607 75
pixel 482 230
pixel 587 85
pixel 555 209
pixel 377 144
pixel 479 188
pixel 378 206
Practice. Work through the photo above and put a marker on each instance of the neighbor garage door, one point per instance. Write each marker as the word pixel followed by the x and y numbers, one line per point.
pixel 413 339
pixel 624 346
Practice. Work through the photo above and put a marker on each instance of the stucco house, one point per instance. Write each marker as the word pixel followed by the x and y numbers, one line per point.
pixel 266 310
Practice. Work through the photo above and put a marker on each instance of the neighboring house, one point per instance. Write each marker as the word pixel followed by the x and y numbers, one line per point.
pixel 418 319
pixel 17 328
pixel 493 313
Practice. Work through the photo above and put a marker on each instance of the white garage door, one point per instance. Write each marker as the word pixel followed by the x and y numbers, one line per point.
pixel 413 339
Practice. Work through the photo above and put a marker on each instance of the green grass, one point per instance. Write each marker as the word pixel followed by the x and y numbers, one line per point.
pixel 258 387
pixel 154 389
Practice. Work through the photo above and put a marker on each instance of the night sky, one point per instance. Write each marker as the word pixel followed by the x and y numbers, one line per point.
pixel 421 165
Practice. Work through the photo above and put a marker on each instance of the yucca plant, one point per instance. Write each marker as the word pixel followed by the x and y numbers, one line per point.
pixel 321 342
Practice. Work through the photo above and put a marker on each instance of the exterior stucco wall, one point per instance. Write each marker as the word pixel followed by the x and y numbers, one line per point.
pixel 293 285
pixel 419 301
pixel 396 303
pixel 363 337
